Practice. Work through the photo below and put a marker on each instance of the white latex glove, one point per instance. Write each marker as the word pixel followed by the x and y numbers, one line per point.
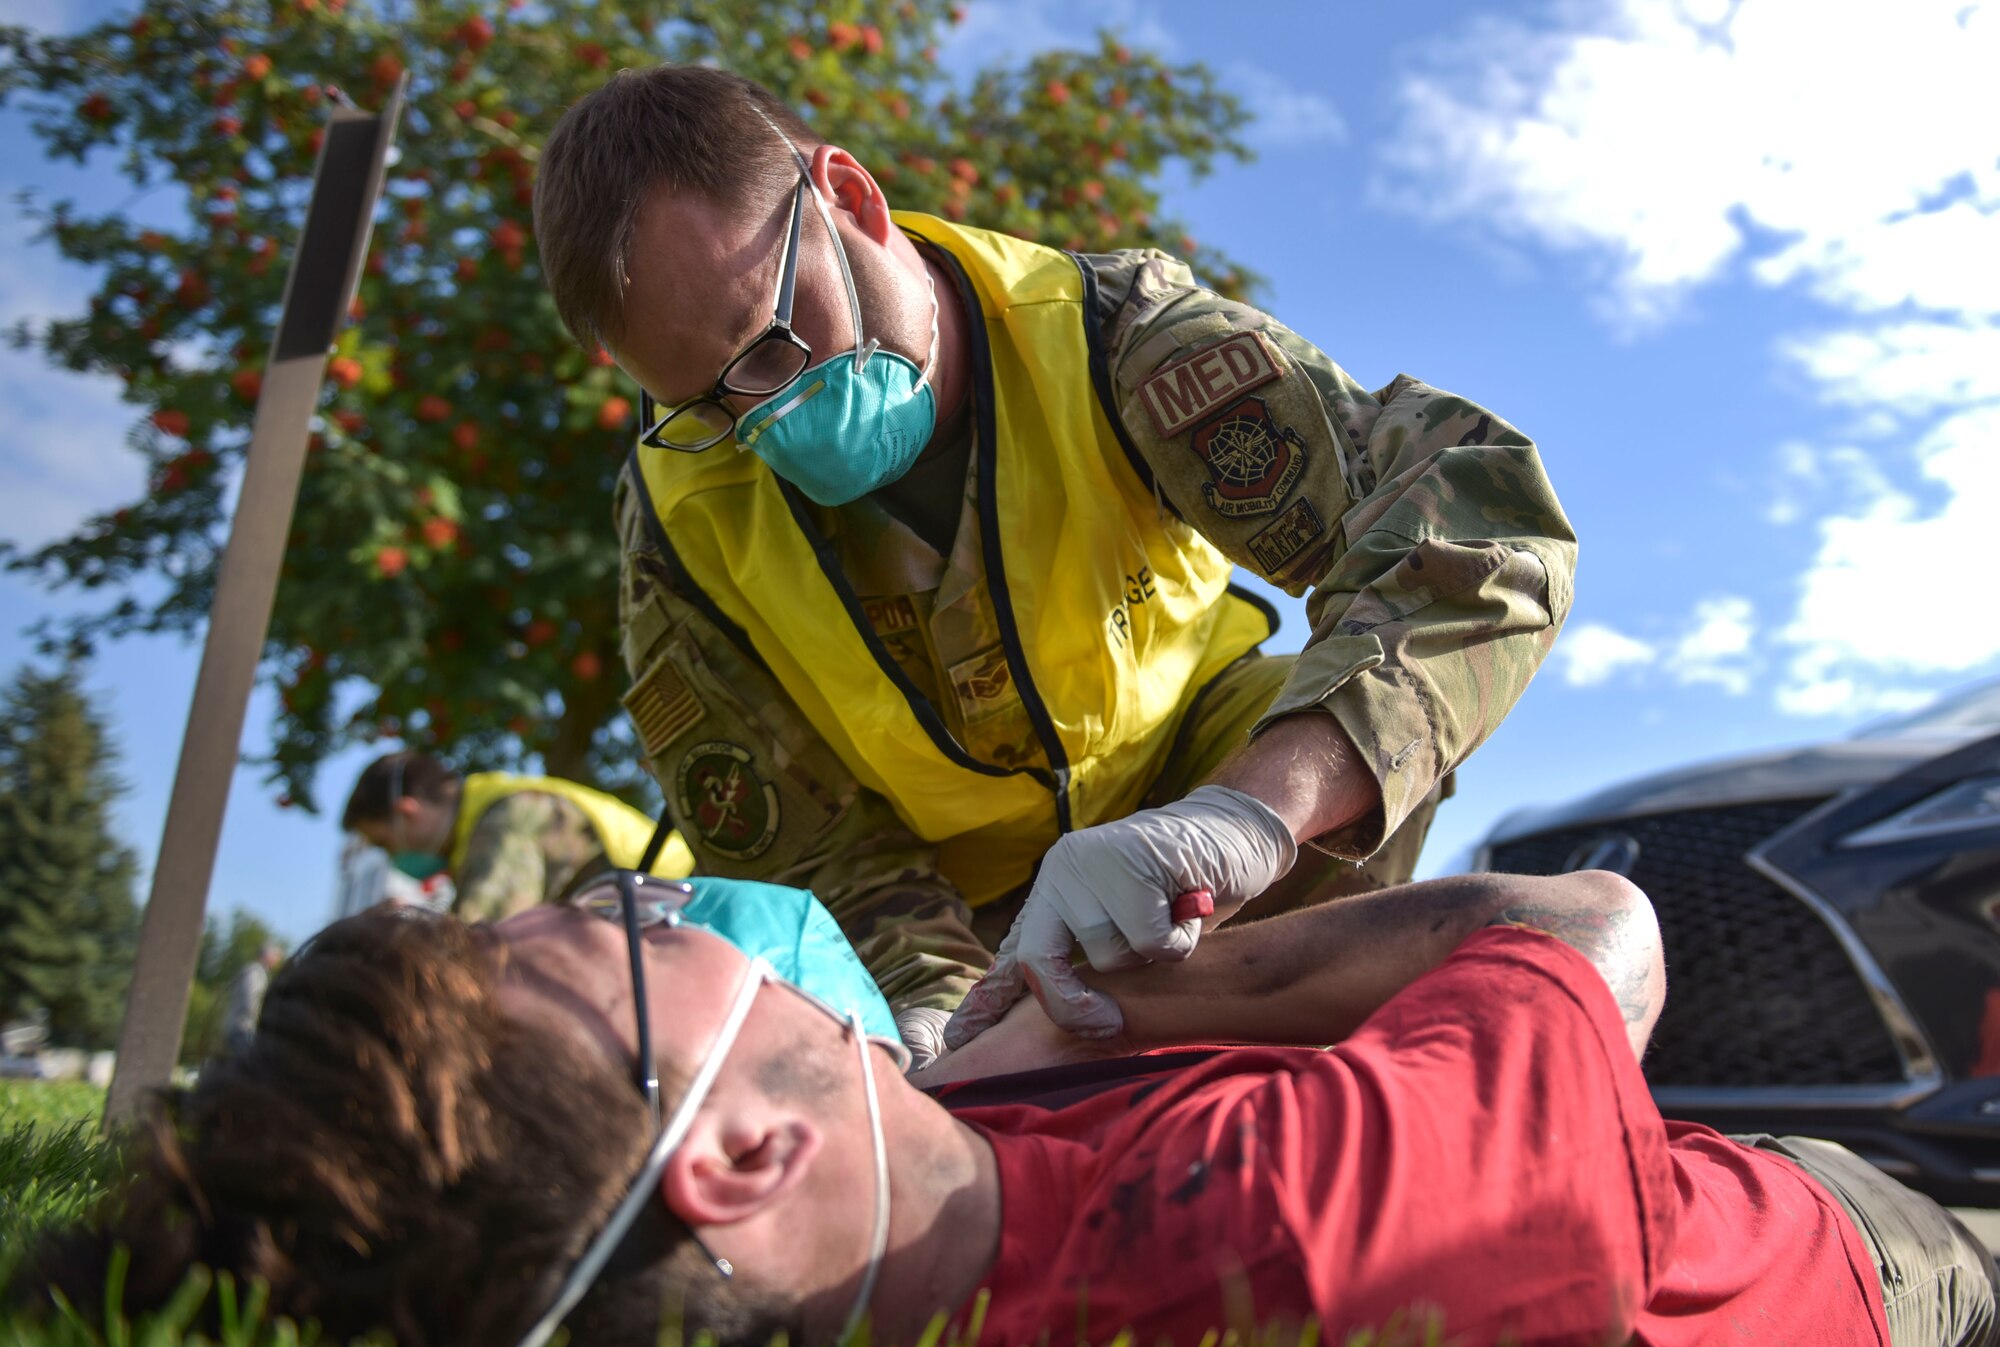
pixel 1112 889
pixel 922 1031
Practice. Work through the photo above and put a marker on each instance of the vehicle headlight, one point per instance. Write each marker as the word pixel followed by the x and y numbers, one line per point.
pixel 1972 803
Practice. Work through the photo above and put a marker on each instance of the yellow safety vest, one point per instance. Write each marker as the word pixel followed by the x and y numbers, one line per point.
pixel 1112 612
pixel 621 830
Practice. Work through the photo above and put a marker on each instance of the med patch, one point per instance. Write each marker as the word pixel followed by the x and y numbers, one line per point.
pixel 1187 390
pixel 1228 411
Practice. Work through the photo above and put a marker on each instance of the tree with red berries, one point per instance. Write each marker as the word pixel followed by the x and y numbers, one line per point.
pixel 451 578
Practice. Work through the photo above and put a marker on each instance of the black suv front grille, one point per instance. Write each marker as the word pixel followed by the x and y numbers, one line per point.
pixel 1759 992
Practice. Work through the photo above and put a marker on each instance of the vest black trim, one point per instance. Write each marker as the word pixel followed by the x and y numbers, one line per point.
pixel 987 466
pixel 684 583
pixel 920 705
pixel 1100 379
pixel 1272 619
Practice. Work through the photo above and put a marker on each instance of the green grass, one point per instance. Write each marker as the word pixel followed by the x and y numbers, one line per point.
pixel 44 1102
pixel 53 1162
pixel 54 1166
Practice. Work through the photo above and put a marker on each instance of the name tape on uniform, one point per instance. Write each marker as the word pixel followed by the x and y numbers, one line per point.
pixel 1181 394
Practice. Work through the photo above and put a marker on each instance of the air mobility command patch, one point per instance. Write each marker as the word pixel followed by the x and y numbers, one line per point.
pixel 720 794
pixel 1253 462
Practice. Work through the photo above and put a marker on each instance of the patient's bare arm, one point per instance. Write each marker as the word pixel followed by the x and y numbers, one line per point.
pixel 1313 976
pixel 1623 941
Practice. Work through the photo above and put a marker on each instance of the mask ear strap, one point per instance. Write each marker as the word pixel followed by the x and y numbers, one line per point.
pixel 862 350
pixel 645 1185
pixel 930 361
pixel 878 1244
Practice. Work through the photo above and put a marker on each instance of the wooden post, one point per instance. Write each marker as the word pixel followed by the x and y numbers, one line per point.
pixel 326 268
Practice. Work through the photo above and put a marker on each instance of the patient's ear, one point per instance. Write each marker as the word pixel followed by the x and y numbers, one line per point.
pixel 730 1169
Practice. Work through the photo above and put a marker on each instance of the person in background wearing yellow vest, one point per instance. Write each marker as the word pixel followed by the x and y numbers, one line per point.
pixel 508 842
pixel 953 643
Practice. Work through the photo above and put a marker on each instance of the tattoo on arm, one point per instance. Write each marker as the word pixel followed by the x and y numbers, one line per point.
pixel 1607 939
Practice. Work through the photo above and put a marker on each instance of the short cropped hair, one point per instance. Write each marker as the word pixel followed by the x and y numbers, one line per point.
pixel 392 1152
pixel 423 776
pixel 687 127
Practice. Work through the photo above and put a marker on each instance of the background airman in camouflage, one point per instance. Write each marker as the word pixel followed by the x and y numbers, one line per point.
pixel 508 842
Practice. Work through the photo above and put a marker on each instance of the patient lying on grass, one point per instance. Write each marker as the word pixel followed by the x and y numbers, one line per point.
pixel 437 1132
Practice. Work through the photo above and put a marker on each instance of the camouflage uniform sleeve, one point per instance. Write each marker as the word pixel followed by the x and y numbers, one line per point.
pixel 758 794
pixel 1439 561
pixel 503 871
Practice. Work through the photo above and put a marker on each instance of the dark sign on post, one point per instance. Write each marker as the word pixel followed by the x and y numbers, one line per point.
pixel 326 267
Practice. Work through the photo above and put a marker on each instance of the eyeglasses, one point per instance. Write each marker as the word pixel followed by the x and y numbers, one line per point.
pixel 615 897
pixel 767 364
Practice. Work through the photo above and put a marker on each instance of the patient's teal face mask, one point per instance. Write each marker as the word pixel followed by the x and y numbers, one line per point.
pixel 853 422
pixel 793 932
pixel 787 928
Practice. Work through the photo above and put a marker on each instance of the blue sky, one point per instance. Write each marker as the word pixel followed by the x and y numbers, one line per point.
pixel 1731 265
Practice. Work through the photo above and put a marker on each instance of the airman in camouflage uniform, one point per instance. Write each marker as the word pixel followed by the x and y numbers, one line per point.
pixel 1437 558
pixel 1439 564
pixel 508 842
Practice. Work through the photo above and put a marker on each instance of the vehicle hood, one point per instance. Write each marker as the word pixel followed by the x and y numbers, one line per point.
pixel 1795 774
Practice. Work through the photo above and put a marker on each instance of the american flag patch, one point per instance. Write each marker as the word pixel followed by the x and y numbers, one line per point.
pixel 662 706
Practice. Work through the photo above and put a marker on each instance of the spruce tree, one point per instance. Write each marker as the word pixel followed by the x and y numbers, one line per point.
pixel 68 922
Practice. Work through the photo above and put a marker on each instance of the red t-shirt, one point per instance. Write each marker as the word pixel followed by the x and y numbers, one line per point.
pixel 1482 1150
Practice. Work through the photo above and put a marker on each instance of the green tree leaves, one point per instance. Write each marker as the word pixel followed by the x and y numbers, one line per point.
pixel 67 918
pixel 451 576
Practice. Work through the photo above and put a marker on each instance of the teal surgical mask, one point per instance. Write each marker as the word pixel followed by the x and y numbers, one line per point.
pixel 793 932
pixel 853 422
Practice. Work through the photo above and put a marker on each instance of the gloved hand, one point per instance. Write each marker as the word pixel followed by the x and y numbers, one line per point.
pixel 922 1031
pixel 1112 888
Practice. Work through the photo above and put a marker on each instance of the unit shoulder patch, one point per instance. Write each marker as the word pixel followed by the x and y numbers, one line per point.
pixel 984 684
pixel 720 794
pixel 1235 429
pixel 1290 534
pixel 1253 462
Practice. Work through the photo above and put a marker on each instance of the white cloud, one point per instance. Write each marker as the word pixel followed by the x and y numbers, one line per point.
pixel 1717 649
pixel 1912 367
pixel 62 451
pixel 1716 646
pixel 1903 589
pixel 1283 116
pixel 1817 144
pixel 1000 31
pixel 1593 652
pixel 1846 697
pixel 1653 133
